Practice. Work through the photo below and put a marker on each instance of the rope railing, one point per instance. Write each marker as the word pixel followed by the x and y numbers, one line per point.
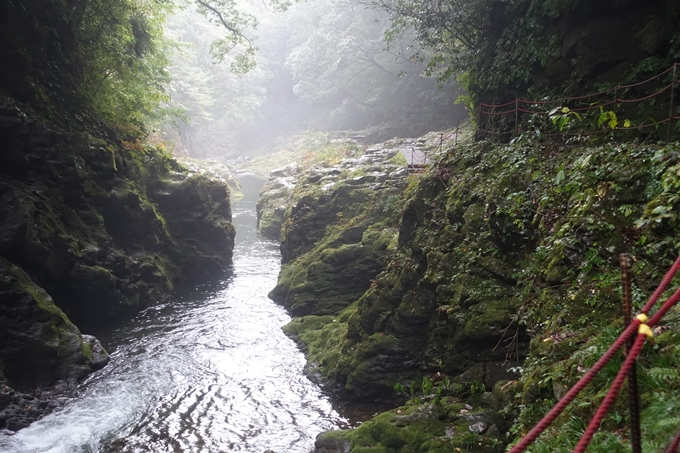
pixel 639 330
pixel 505 118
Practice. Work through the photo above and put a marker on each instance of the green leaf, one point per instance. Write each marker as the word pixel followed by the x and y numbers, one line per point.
pixel 660 210
pixel 560 177
pixel 562 122
pixel 602 118
pixel 613 120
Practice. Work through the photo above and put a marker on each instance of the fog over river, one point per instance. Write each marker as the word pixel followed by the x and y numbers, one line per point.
pixel 210 371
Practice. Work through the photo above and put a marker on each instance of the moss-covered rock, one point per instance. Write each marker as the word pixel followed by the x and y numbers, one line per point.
pixel 420 427
pixel 39 347
pixel 104 226
pixel 274 199
pixel 504 258
pixel 338 225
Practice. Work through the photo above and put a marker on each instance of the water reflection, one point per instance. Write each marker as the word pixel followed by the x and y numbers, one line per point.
pixel 208 372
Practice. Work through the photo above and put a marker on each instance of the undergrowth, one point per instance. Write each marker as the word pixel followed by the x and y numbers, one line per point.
pixel 562 216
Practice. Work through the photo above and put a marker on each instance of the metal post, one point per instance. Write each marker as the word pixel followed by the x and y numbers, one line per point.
pixel 616 97
pixel 633 395
pixel 516 115
pixel 670 109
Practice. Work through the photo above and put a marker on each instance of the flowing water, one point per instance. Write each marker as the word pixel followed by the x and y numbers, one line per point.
pixel 210 371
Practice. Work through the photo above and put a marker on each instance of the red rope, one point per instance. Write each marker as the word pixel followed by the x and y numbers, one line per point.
pixel 591 107
pixel 498 113
pixel 497 105
pixel 673 447
pixel 532 111
pixel 611 394
pixel 550 101
pixel 629 332
pixel 575 98
pixel 587 96
pixel 662 286
pixel 664 308
pixel 642 126
pixel 648 80
pixel 576 389
pixel 625 101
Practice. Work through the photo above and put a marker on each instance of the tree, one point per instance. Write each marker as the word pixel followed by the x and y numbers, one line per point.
pixel 239 25
pixel 216 103
pixel 85 61
pixel 338 56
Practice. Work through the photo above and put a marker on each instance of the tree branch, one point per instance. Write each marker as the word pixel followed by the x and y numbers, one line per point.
pixel 224 22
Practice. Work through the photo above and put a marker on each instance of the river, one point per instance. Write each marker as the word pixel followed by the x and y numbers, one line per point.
pixel 209 371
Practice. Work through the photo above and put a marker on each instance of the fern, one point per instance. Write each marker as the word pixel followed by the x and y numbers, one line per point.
pixel 668 374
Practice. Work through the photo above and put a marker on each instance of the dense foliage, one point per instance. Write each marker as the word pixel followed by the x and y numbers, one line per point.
pixel 85 60
pixel 501 49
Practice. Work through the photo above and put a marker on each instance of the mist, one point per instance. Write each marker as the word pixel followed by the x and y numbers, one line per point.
pixel 321 66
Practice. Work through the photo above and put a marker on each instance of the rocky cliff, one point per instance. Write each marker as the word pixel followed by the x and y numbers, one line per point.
pixel 91 231
pixel 274 199
pixel 336 230
pixel 499 287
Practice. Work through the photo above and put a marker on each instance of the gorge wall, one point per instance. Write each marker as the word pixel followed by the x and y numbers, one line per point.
pixel 92 230
pixel 497 285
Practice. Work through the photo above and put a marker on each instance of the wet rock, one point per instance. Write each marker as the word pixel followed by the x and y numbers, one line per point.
pixel 18 410
pixel 38 343
pixel 478 428
pixel 332 442
pixel 92 231
pixel 100 358
pixel 336 269
pixel 39 348
pixel 274 198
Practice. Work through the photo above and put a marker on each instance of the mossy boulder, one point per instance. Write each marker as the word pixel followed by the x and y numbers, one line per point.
pixel 274 199
pixel 106 227
pixel 338 225
pixel 103 225
pixel 39 347
pixel 420 427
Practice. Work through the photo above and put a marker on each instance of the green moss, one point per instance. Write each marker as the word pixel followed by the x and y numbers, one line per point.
pixel 323 338
pixel 87 353
pixel 40 344
pixel 498 260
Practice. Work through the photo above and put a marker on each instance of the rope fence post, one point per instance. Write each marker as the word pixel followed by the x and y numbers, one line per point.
pixel 616 98
pixel 670 109
pixel 488 127
pixel 639 329
pixel 633 394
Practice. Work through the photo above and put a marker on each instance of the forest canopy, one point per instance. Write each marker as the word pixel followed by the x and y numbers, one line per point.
pixel 108 61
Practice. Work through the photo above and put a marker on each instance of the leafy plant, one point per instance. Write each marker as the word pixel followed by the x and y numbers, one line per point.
pixel 563 117
pixel 609 118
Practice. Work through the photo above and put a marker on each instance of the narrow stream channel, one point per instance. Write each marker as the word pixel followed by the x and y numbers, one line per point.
pixel 209 371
